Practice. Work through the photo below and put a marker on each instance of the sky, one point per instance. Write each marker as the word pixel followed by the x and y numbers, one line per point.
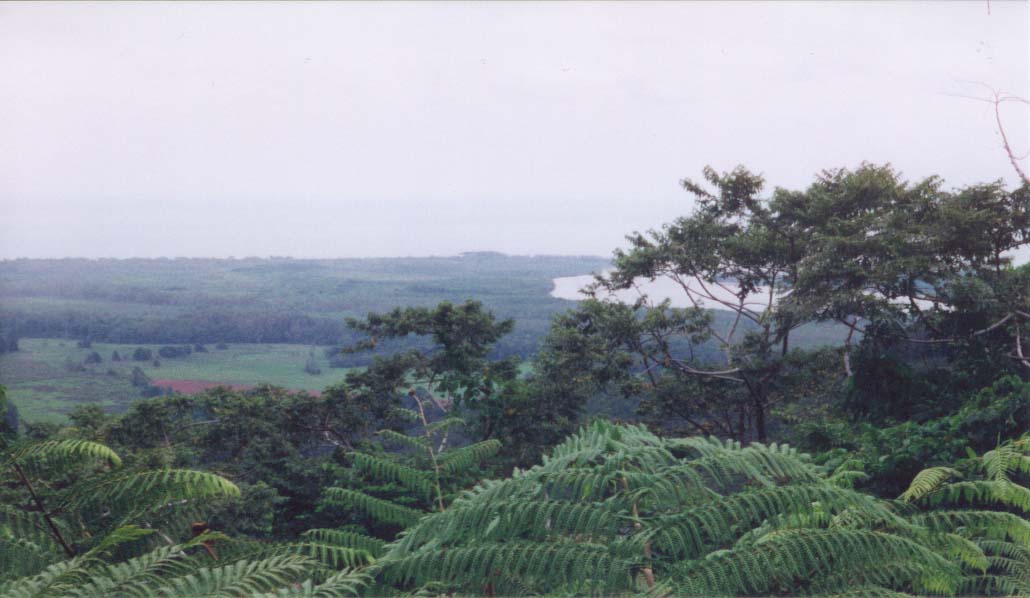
pixel 406 129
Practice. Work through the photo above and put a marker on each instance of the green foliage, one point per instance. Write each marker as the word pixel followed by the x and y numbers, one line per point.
pixel 928 481
pixel 892 455
pixel 376 508
pixel 58 454
pixel 431 475
pixel 454 370
pixel 462 459
pixel 385 469
pixel 613 510
pixel 616 510
pixel 334 537
pixel 75 498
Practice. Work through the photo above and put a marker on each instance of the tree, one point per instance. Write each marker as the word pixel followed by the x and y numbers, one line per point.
pixel 885 259
pixel 452 367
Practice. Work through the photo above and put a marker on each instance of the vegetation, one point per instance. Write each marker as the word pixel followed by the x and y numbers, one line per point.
pixel 46 389
pixel 638 449
pixel 276 300
pixel 615 510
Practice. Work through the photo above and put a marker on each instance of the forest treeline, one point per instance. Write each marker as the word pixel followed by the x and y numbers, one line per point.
pixel 648 450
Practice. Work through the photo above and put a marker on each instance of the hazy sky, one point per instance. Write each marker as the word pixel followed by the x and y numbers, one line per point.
pixel 321 129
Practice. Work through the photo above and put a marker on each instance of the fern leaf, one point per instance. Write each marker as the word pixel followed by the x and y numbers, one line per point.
pixel 416 442
pixel 376 508
pixel 149 487
pixel 927 481
pixel 468 456
pixel 39 457
pixel 346 539
pixel 242 578
pixel 387 470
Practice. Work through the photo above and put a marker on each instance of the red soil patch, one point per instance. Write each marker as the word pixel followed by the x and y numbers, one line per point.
pixel 188 387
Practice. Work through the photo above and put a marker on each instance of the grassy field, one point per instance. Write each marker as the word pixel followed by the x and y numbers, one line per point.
pixel 42 380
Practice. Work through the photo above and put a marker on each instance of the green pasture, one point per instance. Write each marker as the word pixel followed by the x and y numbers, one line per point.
pixel 45 383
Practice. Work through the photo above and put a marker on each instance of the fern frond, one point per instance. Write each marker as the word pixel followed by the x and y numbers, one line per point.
pixel 346 583
pixel 39 457
pixel 243 578
pixel 696 531
pixel 468 456
pixel 965 550
pixel 20 557
pixel 346 539
pixel 847 478
pixel 120 536
pixel 54 580
pixel 444 424
pixel 149 488
pixel 387 470
pixel 140 576
pixel 336 557
pixel 498 520
pixel 993 525
pixel 794 558
pixel 376 508
pixel 26 525
pixel 549 564
pixel 980 492
pixel 416 442
pixel 927 481
pixel 1005 460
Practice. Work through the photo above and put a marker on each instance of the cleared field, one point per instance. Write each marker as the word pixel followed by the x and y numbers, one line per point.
pixel 47 378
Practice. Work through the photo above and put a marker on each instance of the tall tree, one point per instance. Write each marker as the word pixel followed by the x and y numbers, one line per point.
pixel 883 257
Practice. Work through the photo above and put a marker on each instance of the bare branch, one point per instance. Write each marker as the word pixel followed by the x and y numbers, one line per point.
pixel 998 99
pixel 994 325
pixel 721 374
pixel 1019 348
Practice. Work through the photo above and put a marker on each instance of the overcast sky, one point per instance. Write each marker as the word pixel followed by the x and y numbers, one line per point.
pixel 332 130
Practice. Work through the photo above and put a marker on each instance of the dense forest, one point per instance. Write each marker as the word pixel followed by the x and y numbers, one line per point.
pixel 271 300
pixel 628 449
